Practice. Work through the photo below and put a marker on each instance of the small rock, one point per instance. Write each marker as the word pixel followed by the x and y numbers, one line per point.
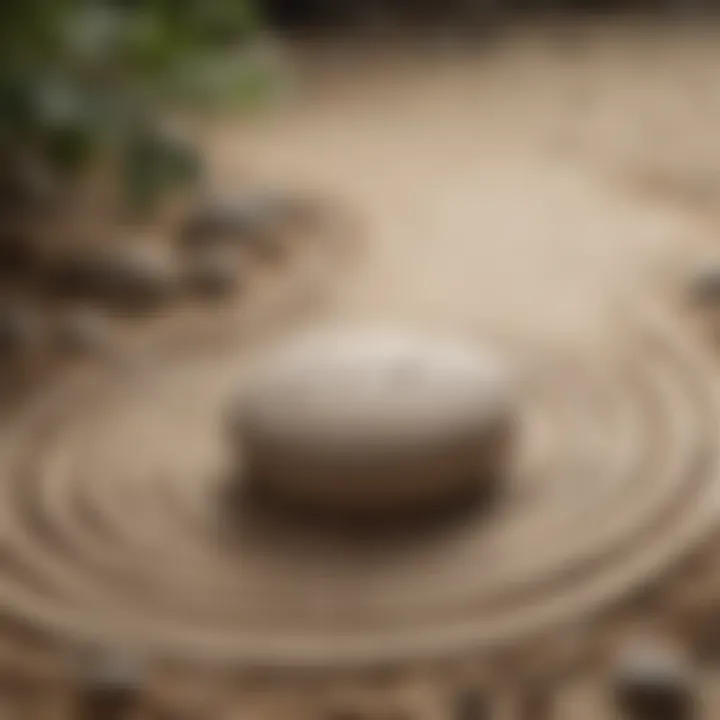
pixel 109 686
pixel 213 274
pixel 249 220
pixel 138 276
pixel 655 680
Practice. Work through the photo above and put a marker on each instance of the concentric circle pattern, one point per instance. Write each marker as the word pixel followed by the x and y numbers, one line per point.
pixel 114 523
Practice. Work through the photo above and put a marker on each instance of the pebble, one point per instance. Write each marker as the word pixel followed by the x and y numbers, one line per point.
pixel 251 221
pixel 138 276
pixel 654 679
pixel 109 686
pixel 213 274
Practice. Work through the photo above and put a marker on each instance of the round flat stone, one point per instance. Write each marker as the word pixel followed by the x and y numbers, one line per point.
pixel 375 420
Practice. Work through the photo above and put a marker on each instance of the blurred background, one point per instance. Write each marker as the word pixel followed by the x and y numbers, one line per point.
pixel 117 115
pixel 91 84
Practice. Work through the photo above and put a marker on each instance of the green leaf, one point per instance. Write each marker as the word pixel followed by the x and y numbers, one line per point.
pixel 68 125
pixel 71 149
pixel 92 33
pixel 77 74
pixel 16 103
pixel 156 164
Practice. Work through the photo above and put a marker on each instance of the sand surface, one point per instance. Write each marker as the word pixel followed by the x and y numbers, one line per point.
pixel 533 182
pixel 542 186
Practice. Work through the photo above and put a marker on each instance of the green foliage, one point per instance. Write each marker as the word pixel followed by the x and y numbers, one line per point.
pixel 154 162
pixel 82 77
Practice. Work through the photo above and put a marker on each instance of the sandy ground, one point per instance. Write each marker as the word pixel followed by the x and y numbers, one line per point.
pixel 532 181
pixel 541 184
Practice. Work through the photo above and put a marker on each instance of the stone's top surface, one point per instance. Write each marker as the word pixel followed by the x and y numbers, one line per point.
pixel 376 388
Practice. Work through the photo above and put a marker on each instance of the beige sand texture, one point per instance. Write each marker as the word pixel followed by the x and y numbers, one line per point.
pixel 530 183
pixel 541 191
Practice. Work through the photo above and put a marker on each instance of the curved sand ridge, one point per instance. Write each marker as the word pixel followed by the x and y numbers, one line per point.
pixel 113 524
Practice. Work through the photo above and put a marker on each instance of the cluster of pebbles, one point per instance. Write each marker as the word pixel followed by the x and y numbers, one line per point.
pixel 644 678
pixel 74 294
